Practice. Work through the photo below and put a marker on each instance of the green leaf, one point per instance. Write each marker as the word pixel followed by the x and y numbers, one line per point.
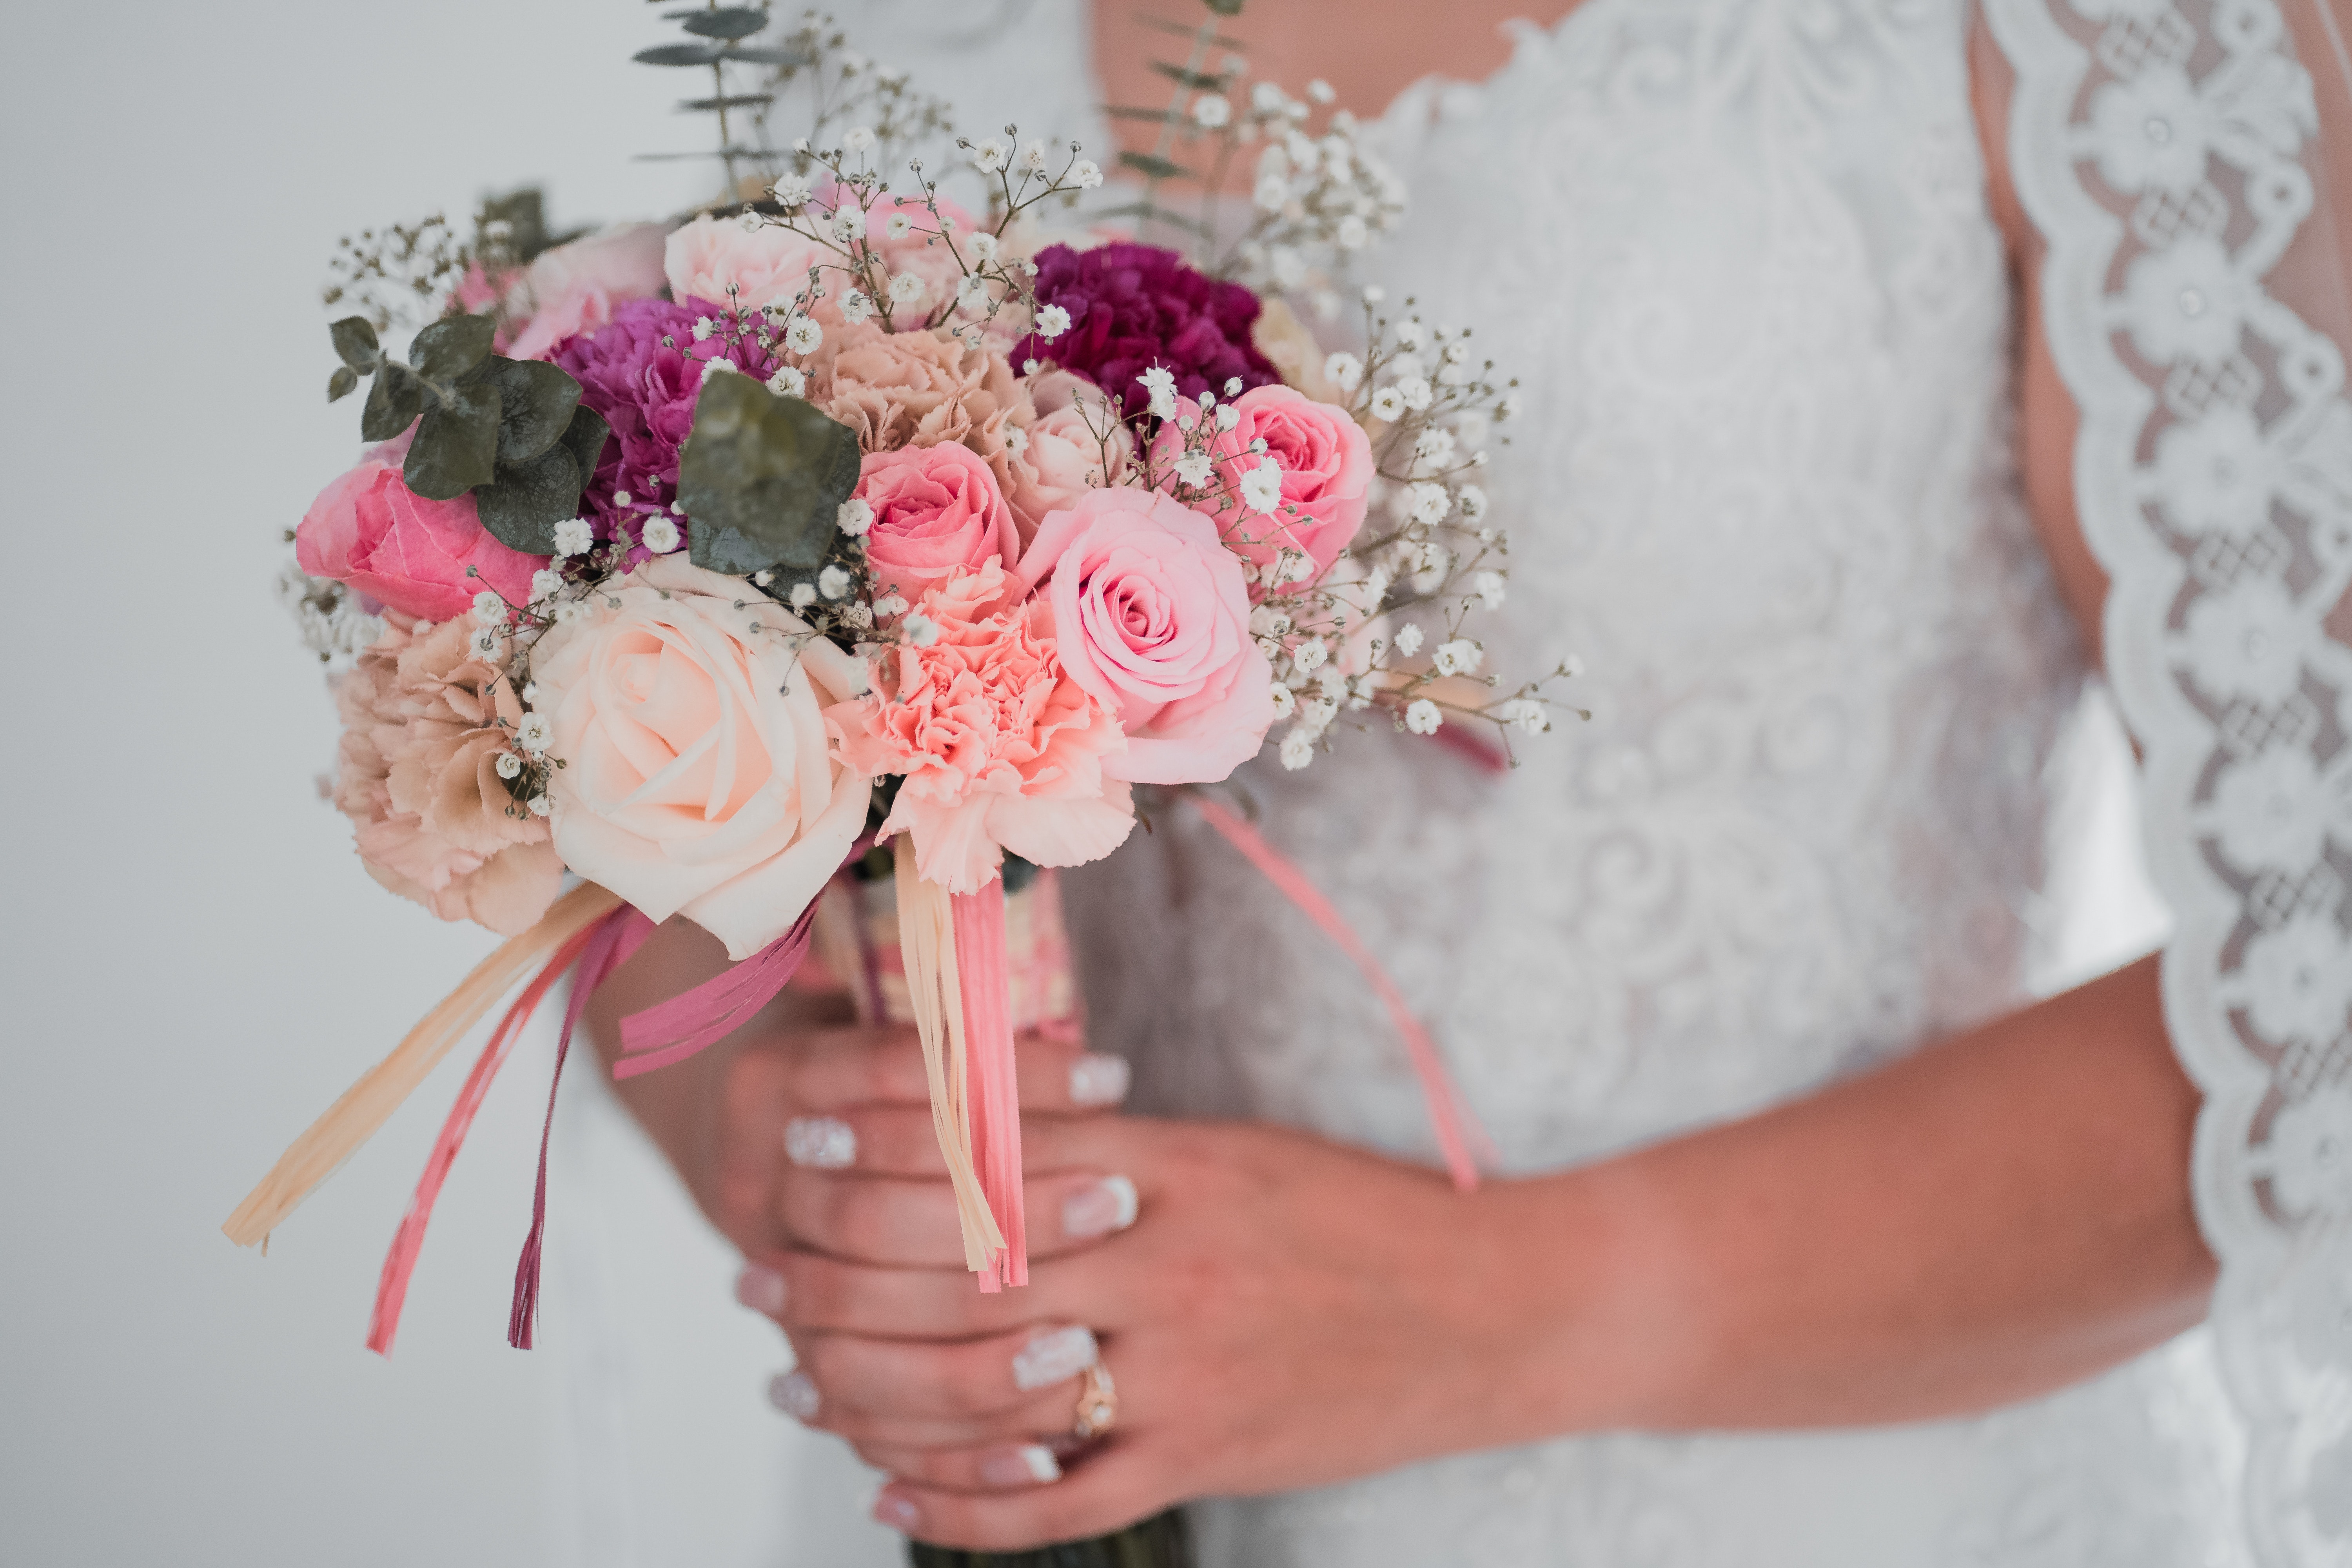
pixel 731 22
pixel 765 55
pixel 1158 168
pixel 762 478
pixel 451 346
pixel 355 344
pixel 343 383
pixel 733 100
pixel 456 444
pixel 393 402
pixel 522 505
pixel 1199 81
pixel 681 54
pixel 584 439
pixel 535 404
pixel 1224 7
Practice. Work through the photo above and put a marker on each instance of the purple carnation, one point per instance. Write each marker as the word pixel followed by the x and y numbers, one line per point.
pixel 646 389
pixel 1135 306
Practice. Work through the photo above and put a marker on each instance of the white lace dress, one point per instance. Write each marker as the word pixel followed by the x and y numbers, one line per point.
pixel 1766 484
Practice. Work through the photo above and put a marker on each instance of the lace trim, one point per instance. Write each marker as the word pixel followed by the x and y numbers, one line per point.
pixel 2161 157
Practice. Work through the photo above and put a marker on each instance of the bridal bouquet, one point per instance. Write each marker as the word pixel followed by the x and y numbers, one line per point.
pixel 844 528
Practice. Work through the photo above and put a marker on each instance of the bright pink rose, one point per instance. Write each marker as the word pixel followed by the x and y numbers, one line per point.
pixel 1000 748
pixel 368 530
pixel 936 512
pixel 1154 619
pixel 571 288
pixel 1327 473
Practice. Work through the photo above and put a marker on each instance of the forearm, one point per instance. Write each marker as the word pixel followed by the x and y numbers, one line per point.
pixel 1994 1217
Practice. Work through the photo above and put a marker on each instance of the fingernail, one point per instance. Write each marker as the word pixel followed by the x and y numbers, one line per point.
pixel 1032 1464
pixel 897 1512
pixel 795 1395
pixel 1109 1204
pixel 1051 1358
pixel 820 1143
pixel 762 1289
pixel 1098 1079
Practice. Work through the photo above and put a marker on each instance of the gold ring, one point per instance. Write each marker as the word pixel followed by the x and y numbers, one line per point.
pixel 1098 1405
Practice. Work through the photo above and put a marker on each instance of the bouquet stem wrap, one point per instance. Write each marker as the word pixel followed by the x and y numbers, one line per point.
pixel 992 1083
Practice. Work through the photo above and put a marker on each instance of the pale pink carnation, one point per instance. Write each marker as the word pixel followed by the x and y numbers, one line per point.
pixel 1326 474
pixel 937 510
pixel 1154 620
pixel 419 776
pixel 1000 750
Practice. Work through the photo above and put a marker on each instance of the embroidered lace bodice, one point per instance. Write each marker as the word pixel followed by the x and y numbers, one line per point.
pixel 1765 484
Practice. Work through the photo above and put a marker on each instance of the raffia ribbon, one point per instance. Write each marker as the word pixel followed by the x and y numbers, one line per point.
pixel 369 1103
pixel 926 943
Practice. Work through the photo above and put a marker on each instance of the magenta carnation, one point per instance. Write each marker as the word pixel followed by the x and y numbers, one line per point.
pixel 641 370
pixel 1135 306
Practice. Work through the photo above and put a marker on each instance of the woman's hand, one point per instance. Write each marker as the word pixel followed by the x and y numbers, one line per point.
pixel 1277 1312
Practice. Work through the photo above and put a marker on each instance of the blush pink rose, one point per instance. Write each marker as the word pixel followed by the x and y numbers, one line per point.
pixel 999 749
pixel 571 288
pixel 1327 473
pixel 1077 443
pixel 1154 622
pixel 937 510
pixel 425 723
pixel 698 776
pixel 370 530
pixel 705 258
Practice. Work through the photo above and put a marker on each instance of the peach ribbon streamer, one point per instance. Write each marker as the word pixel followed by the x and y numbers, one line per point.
pixel 934 984
pixel 1458 1133
pixel 992 1086
pixel 352 1119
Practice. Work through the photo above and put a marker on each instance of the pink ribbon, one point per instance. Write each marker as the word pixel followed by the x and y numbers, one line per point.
pixel 674 1030
pixel 992 1084
pixel 1457 1129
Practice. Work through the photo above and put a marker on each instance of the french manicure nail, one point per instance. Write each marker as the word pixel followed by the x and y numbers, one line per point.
pixel 1032 1464
pixel 795 1395
pixel 1051 1358
pixel 1109 1204
pixel 896 1511
pixel 1098 1079
pixel 762 1289
pixel 820 1142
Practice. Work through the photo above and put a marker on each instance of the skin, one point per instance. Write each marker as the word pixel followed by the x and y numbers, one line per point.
pixel 1998 1216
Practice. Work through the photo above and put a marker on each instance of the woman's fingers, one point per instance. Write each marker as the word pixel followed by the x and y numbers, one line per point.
pixel 1105 1490
pixel 996 1467
pixel 907 1223
pixel 997 1374
pixel 883 1064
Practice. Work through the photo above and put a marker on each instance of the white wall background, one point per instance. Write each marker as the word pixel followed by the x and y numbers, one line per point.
pixel 192 965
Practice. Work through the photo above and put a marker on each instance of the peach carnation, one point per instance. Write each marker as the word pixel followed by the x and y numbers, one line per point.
pixel 918 389
pixel 424 724
pixel 1000 748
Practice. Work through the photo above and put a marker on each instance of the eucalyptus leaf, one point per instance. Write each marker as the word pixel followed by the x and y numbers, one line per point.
pixel 355 344
pixel 731 22
pixel 535 404
pixel 1224 7
pixel 451 346
pixel 522 505
pixel 681 54
pixel 733 100
pixel 343 383
pixel 1157 167
pixel 1199 81
pixel 768 54
pixel 392 404
pixel 763 478
pixel 456 444
pixel 584 439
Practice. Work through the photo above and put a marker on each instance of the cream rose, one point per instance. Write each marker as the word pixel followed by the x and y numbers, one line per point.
pixel 697 778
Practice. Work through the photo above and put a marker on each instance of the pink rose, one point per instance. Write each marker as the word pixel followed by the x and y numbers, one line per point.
pixel 1000 748
pixel 1154 621
pixel 1076 444
pixel 705 258
pixel 571 288
pixel 698 777
pixel 424 725
pixel 1326 474
pixel 937 510
pixel 370 530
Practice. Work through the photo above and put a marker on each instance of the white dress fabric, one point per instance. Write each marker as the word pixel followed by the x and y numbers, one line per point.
pixel 1765 482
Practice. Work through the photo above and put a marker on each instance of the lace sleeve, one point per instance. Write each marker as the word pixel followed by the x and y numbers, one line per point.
pixel 2170 155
